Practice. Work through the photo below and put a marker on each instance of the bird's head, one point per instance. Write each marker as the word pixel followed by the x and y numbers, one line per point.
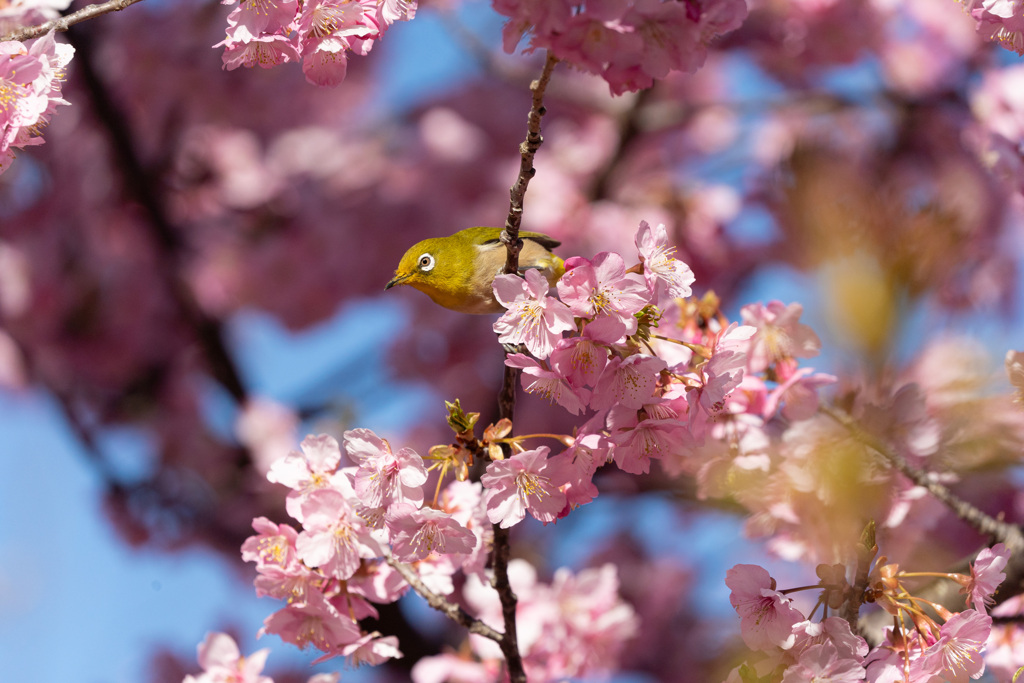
pixel 440 267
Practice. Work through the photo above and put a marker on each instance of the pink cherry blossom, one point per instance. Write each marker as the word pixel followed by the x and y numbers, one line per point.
pixel 780 335
pixel 448 667
pixel 526 481
pixel 986 575
pixel 576 627
pixel 273 546
pixel 313 468
pixel 338 18
pixel 391 11
pixel 581 359
pixel 221 661
pixel 822 662
pixel 668 277
pixel 372 649
pixel 628 382
pixel 834 630
pixel 722 373
pixel 325 61
pixel 263 16
pixel 309 468
pixel 464 501
pixel 602 287
pixel 30 89
pixel 592 40
pixel 416 534
pixel 384 478
pixel 533 318
pixel 766 616
pixel 538 379
pixel 378 582
pixel 243 48
pixel 649 439
pixel 798 395
pixel 957 655
pixel 334 538
pixel 1000 20
pixel 315 622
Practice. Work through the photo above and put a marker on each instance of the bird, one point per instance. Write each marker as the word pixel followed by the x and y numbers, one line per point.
pixel 457 271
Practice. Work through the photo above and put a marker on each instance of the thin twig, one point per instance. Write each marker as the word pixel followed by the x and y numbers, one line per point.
pixel 527 149
pixel 999 531
pixel 438 602
pixel 68 20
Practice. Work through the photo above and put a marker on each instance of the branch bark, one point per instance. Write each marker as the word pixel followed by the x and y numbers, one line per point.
pixel 507 398
pixel 69 20
pixel 438 602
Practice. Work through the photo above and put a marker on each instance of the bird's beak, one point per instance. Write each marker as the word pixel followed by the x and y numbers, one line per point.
pixel 396 280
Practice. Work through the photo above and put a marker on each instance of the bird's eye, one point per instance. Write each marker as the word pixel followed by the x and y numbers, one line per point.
pixel 426 262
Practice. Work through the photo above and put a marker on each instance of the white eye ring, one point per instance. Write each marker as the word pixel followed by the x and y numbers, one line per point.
pixel 426 262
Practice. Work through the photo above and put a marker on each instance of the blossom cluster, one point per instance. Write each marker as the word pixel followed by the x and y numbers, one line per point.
pixel 30 90
pixel 918 649
pixel 654 397
pixel 629 43
pixel 320 33
pixel 360 522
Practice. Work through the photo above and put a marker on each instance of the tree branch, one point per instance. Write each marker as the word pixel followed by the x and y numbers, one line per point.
pixel 985 524
pixel 528 149
pixel 65 22
pixel 507 398
pixel 438 602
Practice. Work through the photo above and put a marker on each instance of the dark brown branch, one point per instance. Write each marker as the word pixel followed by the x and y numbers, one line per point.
pixel 69 20
pixel 510 642
pixel 507 398
pixel 527 149
pixel 438 602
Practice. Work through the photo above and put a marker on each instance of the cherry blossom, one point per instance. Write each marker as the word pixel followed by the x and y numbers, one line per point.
pixel 1000 20
pixel 602 287
pixel 956 655
pixel 221 660
pixel 780 335
pixel 313 468
pixel 527 481
pixel 533 318
pixel 766 616
pixel 273 546
pixel 986 575
pixel 628 382
pixel 537 379
pixel 30 90
pixel 314 622
pixel 668 277
pixel 384 477
pixel 334 537
pixel 416 534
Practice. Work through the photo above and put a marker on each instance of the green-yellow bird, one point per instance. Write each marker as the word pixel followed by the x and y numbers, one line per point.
pixel 457 271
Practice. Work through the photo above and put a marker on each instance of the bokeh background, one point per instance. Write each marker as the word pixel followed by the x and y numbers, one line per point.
pixel 191 271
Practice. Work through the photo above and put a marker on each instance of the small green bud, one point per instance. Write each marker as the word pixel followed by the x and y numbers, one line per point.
pixel 459 420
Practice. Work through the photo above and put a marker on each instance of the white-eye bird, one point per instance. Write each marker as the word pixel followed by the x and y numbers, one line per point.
pixel 457 271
